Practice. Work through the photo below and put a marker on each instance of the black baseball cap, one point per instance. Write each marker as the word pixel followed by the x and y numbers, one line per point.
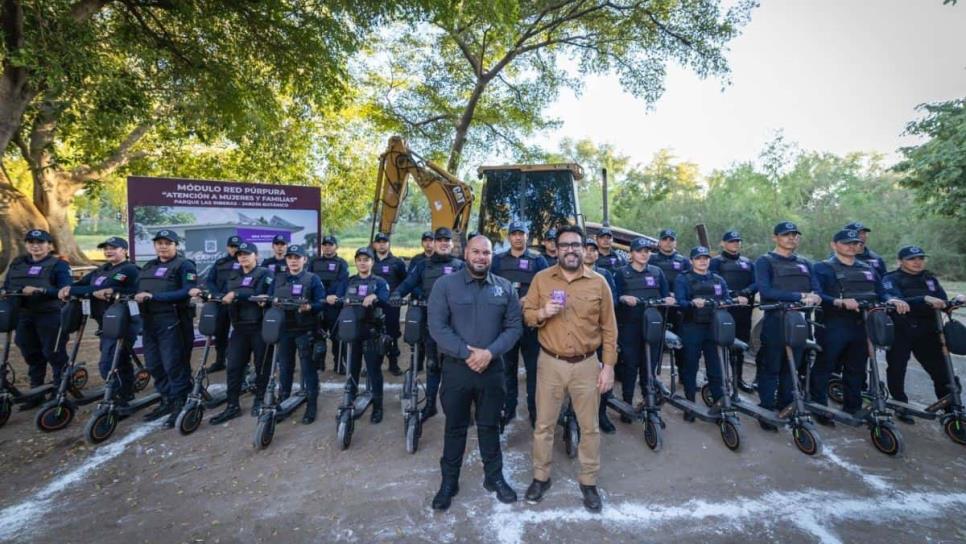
pixel 247 247
pixel 785 227
pixel 295 249
pixel 909 252
pixel 443 233
pixel 667 233
pixel 518 226
pixel 166 234
pixel 427 235
pixel 38 235
pixel 234 241
pixel 113 241
pixel 590 242
pixel 330 240
pixel 731 236
pixel 551 234
pixel 700 251
pixel 280 239
pixel 365 251
pixel 380 237
pixel 846 236
pixel 605 232
pixel 857 225
pixel 641 243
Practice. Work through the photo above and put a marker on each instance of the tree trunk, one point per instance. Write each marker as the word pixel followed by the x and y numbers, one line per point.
pixel 463 127
pixel 53 195
pixel 17 215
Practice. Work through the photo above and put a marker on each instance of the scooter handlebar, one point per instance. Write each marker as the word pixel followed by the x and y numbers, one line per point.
pixel 786 306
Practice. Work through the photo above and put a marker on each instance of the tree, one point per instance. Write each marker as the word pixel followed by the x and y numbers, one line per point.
pixel 936 169
pixel 84 82
pixel 479 77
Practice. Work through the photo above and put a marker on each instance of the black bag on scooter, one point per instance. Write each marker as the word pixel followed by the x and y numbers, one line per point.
pixel 71 315
pixel 796 330
pixel 880 329
pixel 8 315
pixel 955 333
pixel 116 320
pixel 350 325
pixel 723 328
pixel 273 322
pixel 413 330
pixel 653 326
pixel 208 320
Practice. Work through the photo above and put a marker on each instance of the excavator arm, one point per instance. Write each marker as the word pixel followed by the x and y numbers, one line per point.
pixel 450 199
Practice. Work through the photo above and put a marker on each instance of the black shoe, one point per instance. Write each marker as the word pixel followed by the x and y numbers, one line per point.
pixel 626 419
pixel 825 420
pixel 217 366
pixel 592 500
pixel 536 490
pixel 426 413
pixel 904 417
pixel 605 425
pixel 230 412
pixel 256 407
pixel 444 497
pixel 376 416
pixel 689 417
pixel 767 426
pixel 173 416
pixel 394 369
pixel 505 420
pixel 504 493
pixel 311 410
pixel 161 410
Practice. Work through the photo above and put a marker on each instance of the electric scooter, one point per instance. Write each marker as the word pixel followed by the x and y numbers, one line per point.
pixel 722 413
pixel 354 404
pixel 413 391
pixel 103 421
pixel 876 416
pixel 272 410
pixel 949 409
pixel 58 412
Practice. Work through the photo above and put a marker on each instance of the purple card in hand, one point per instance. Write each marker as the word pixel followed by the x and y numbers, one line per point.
pixel 559 296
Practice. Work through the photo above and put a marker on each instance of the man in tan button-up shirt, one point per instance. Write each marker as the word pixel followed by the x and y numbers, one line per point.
pixel 573 311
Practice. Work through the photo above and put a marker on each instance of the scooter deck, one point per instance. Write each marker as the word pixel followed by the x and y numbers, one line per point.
pixel 757 412
pixel 23 396
pixel 139 404
pixel 838 415
pixel 361 403
pixel 81 399
pixel 289 405
pixel 699 411
pixel 917 410
pixel 215 400
pixel 624 408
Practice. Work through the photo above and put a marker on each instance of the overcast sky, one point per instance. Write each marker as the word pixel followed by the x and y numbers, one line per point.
pixel 834 75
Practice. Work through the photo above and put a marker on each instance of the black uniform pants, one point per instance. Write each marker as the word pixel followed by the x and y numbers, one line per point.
pixel 37 339
pixel 631 341
pixel 844 339
pixel 365 349
pixel 462 389
pixel 330 321
pixel 393 331
pixel 246 343
pixel 222 328
pixel 916 336
pixel 530 348
pixel 742 317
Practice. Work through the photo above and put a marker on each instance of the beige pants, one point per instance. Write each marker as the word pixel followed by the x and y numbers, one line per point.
pixel 555 380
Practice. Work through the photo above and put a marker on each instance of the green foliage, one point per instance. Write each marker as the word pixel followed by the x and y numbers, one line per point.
pixel 936 169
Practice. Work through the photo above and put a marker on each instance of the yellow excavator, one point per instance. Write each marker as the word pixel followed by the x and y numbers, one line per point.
pixel 540 195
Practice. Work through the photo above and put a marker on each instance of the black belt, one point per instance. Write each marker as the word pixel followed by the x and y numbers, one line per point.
pixel 569 358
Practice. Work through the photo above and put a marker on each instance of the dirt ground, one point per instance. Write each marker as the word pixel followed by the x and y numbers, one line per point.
pixel 152 485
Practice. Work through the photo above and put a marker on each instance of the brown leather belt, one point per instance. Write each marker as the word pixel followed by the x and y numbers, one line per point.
pixel 569 358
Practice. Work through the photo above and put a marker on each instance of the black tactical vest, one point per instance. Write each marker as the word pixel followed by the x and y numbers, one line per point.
pixel 327 269
pixel 25 273
pixel 519 271
pixel 225 266
pixel 610 262
pixel 857 281
pixel 643 284
pixel 716 290
pixel 102 278
pixel 243 312
pixel 157 277
pixel 671 265
pixel 387 270
pixel 789 275
pixel 737 273
pixel 357 290
pixel 301 288
pixel 918 285
pixel 435 269
pixel 275 266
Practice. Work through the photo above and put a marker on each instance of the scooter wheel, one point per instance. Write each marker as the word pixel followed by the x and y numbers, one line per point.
pixel 806 440
pixel 264 432
pixel 886 439
pixel 344 430
pixel 100 427
pixel 572 438
pixel 652 434
pixel 141 380
pixel 189 419
pixel 730 435
pixel 5 408
pixel 955 428
pixel 706 395
pixel 412 434
pixel 78 380
pixel 836 390
pixel 54 417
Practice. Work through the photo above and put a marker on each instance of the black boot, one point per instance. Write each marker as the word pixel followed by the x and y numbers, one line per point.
pixel 427 412
pixel 311 409
pixel 161 410
pixel 257 406
pixel 217 366
pixel 376 416
pixel 173 416
pixel 504 493
pixel 394 367
pixel 444 497
pixel 230 412
pixel 604 422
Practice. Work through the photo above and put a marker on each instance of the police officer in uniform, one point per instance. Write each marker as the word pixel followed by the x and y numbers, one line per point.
pixel 117 275
pixel 334 273
pixel 866 255
pixel 518 265
pixel 671 263
pixel 739 273
pixel 697 291
pixel 373 292
pixel 781 276
pixel 419 282
pixel 40 274
pixel 215 283
pixel 245 343
pixel 427 241
pixel 844 282
pixel 474 317
pixel 916 332
pixel 392 269
pixel 164 286
pixel 297 336
pixel 638 279
pixel 608 258
pixel 549 247
pixel 276 263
